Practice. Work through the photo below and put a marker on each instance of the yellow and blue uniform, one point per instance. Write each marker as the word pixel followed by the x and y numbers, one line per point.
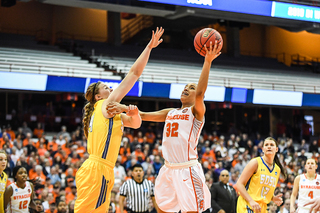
pixel 3 184
pixel 260 187
pixel 95 178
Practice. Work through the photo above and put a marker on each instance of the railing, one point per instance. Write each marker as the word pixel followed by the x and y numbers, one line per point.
pixel 69 70
pixel 64 35
pixel 228 82
pixel 135 26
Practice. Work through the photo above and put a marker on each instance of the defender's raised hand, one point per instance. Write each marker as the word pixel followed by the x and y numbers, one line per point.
pixel 155 40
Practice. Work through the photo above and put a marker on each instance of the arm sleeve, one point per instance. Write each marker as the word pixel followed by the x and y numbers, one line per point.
pixel 123 189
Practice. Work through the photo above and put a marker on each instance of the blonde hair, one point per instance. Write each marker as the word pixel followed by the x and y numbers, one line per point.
pixel 3 152
pixel 92 90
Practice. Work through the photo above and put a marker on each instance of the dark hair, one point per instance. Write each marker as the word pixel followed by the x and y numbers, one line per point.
pixel 276 158
pixel 136 166
pixel 15 171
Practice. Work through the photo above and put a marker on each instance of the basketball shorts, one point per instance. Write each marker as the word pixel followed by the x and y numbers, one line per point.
pixel 94 181
pixel 181 186
pixel 303 210
pixel 244 207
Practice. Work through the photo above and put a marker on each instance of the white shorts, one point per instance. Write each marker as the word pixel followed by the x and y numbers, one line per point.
pixel 182 189
pixel 303 210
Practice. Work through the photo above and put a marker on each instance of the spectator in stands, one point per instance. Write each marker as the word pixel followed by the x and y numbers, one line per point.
pixel 147 164
pixel 38 131
pixel 20 133
pixel 138 153
pixel 119 171
pixel 62 206
pixel 234 178
pixel 239 167
pixel 150 135
pixel 61 140
pixel 304 146
pixel 52 208
pixel 71 206
pixel 302 157
pixel 72 194
pixel 314 146
pixel 11 133
pixel 26 129
pixel 14 155
pixel 64 133
pixel 54 176
pixel 157 164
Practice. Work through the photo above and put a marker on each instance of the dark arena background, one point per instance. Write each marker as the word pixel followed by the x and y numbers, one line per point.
pixel 265 83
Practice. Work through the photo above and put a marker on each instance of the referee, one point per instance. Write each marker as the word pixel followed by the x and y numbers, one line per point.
pixel 137 192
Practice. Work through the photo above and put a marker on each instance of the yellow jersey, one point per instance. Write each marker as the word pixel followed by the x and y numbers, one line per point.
pixel 104 134
pixel 3 184
pixel 261 185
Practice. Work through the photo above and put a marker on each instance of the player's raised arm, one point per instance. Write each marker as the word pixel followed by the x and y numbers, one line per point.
pixel 137 68
pixel 212 52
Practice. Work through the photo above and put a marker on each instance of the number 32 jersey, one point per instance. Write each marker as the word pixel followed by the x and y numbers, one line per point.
pixel 180 136
pixel 20 199
pixel 308 190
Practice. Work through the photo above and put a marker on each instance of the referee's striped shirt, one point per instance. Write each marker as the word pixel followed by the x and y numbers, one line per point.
pixel 137 195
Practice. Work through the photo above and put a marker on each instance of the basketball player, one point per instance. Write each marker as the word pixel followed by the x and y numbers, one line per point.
pixel 308 187
pixel 180 184
pixel 19 195
pixel 259 179
pixel 4 177
pixel 95 178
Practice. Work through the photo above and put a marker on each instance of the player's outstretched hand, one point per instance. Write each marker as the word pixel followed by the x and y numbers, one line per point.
pixel 116 108
pixel 212 52
pixel 156 38
pixel 255 206
pixel 278 199
pixel 315 205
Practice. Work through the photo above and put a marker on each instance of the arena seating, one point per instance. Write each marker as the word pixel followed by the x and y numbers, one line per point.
pixel 252 78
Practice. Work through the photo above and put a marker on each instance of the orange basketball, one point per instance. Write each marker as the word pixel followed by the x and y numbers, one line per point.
pixel 203 37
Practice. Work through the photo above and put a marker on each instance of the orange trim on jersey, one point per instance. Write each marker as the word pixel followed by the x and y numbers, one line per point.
pixel 307 177
pixel 189 138
pixel 194 189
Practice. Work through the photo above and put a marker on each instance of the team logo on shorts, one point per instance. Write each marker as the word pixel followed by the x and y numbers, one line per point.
pixel 276 173
pixel 29 190
pixel 317 183
pixel 184 110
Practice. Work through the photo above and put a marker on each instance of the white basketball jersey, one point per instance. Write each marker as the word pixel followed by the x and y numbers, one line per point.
pixel 20 199
pixel 180 136
pixel 308 190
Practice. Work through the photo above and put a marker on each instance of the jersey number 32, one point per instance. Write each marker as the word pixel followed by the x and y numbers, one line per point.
pixel 172 129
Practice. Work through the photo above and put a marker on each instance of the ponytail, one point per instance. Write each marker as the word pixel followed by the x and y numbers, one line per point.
pixel 89 107
pixel 277 161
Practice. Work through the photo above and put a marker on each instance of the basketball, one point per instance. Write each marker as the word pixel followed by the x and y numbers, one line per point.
pixel 203 37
